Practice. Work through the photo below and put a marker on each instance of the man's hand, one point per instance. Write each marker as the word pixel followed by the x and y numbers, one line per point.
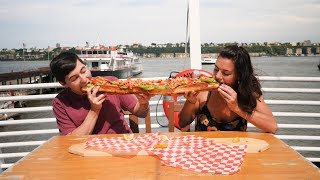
pixel 95 101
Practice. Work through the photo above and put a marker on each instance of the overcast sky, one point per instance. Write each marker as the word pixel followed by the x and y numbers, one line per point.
pixel 43 23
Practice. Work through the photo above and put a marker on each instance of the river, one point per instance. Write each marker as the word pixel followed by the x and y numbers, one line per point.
pixel 153 67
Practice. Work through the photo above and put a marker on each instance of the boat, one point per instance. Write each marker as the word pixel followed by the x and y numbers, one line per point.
pixel 137 67
pixel 105 61
pixel 208 60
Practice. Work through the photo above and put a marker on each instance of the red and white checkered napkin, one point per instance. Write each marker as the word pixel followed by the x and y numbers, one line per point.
pixel 189 152
pixel 201 155
pixel 180 146
pixel 119 144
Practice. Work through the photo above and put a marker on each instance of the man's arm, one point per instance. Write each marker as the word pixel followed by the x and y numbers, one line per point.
pixel 88 124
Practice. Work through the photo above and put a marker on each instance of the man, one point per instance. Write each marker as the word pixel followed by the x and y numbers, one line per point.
pixel 90 113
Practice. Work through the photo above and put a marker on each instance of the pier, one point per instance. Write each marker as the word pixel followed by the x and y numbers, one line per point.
pixel 40 75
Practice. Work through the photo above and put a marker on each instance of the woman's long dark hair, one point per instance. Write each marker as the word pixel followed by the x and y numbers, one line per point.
pixel 249 88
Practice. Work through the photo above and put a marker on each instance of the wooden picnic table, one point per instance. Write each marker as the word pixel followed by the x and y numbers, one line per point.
pixel 53 161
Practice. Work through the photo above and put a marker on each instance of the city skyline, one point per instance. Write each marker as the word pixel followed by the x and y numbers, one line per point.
pixel 296 44
pixel 44 23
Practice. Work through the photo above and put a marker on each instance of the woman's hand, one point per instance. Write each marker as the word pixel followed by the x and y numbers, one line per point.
pixel 95 101
pixel 141 109
pixel 229 96
pixel 191 96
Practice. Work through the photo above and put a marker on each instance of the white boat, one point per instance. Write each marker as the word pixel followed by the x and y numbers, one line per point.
pixel 137 67
pixel 208 60
pixel 103 61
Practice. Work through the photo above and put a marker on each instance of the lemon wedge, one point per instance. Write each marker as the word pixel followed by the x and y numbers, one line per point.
pixel 161 146
pixel 236 140
pixel 163 138
pixel 128 137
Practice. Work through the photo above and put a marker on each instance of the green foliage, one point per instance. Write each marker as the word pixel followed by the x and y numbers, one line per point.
pixel 74 50
pixel 278 50
pixel 208 50
pixel 157 50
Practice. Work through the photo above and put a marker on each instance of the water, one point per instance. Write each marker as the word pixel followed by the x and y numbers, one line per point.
pixel 264 66
pixel 17 66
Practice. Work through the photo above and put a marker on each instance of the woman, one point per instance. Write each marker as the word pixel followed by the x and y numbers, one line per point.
pixel 237 101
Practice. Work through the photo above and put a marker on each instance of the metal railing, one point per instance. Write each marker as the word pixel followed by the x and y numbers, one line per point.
pixel 286 127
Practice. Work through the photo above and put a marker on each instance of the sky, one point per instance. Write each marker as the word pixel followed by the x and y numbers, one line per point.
pixel 43 23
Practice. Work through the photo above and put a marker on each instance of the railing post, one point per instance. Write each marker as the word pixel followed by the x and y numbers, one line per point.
pixel 40 81
pixel 12 102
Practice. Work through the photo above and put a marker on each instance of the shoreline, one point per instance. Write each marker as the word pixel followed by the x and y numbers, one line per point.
pixel 171 57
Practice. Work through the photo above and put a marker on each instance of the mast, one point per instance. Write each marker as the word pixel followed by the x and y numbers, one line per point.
pixel 48 52
pixel 24 46
pixel 194 34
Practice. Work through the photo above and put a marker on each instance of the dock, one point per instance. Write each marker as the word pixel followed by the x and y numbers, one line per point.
pixel 39 75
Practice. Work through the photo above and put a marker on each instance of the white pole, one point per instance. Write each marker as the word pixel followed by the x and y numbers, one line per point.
pixel 24 59
pixel 194 32
pixel 48 52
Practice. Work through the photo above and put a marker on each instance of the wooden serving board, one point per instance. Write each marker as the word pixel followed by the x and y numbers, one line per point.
pixel 253 146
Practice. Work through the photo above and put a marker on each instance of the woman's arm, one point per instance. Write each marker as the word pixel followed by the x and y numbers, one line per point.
pixel 190 107
pixel 261 117
pixel 141 108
